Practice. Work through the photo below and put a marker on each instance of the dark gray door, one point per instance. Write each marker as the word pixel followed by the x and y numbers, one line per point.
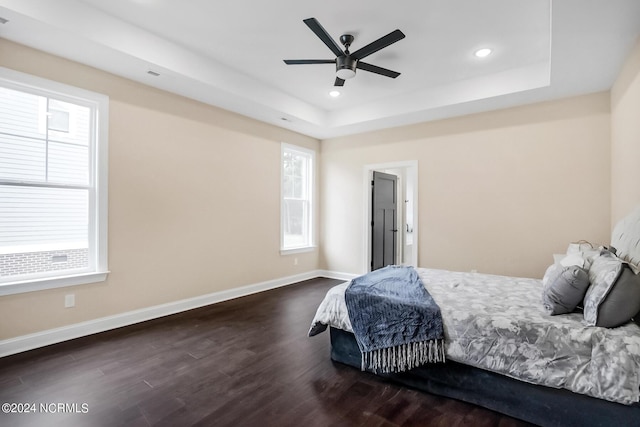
pixel 383 220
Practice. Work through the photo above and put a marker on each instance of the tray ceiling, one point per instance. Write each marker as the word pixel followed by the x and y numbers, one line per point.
pixel 230 53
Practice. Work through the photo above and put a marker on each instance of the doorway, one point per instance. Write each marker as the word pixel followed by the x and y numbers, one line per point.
pixel 384 224
pixel 406 214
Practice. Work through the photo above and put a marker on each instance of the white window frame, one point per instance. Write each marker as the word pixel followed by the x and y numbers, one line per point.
pixel 310 246
pixel 98 193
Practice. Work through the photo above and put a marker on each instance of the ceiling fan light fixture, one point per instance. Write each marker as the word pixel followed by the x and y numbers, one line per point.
pixel 345 67
pixel 345 73
pixel 483 53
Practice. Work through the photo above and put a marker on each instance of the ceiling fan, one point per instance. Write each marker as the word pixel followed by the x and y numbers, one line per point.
pixel 347 62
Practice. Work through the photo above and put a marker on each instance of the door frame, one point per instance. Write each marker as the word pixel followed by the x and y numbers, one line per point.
pixel 411 175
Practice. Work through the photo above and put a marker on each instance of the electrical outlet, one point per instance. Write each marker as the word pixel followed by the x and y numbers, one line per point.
pixel 69 300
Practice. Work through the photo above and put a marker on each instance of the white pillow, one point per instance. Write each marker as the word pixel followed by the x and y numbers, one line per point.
pixel 582 259
pixel 626 239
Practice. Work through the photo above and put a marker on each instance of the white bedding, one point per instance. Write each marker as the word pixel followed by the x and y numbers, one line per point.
pixel 498 323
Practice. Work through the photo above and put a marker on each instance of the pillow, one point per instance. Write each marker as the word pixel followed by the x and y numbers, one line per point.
pixel 623 301
pixel 580 254
pixel 563 288
pixel 579 246
pixel 604 276
pixel 625 238
pixel 580 259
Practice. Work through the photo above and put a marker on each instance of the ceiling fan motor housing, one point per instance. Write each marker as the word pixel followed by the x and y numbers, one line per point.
pixel 346 67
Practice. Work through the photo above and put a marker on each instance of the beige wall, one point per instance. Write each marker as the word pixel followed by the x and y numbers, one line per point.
pixel 625 138
pixel 193 201
pixel 499 192
pixel 191 188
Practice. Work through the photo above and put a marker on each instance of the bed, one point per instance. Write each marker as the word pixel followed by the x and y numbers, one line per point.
pixel 506 352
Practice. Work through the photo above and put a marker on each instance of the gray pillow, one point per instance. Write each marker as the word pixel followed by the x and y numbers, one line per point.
pixel 563 288
pixel 603 274
pixel 623 301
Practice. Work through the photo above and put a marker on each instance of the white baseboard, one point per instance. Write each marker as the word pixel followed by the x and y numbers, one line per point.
pixel 337 275
pixel 65 333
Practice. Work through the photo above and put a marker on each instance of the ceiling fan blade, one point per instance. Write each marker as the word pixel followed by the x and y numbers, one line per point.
pixel 377 70
pixel 375 46
pixel 339 82
pixel 324 36
pixel 308 61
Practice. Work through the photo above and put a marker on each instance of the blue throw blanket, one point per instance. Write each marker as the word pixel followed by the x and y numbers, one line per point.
pixel 397 324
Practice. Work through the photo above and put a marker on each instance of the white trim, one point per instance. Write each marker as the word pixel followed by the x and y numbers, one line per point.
pixel 65 333
pixel 101 213
pixel 411 167
pixel 298 250
pixel 51 282
pixel 337 275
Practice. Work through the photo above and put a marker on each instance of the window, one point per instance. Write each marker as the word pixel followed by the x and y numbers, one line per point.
pixel 297 198
pixel 53 177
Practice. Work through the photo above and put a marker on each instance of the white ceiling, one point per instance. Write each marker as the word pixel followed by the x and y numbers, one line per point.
pixel 229 53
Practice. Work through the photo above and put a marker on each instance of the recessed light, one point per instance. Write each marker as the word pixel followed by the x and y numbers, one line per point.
pixel 334 93
pixel 484 52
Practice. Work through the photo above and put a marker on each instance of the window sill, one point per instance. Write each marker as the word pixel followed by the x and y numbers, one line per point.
pixel 297 250
pixel 32 285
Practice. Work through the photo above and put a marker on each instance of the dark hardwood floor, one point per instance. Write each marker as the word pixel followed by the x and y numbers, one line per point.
pixel 245 362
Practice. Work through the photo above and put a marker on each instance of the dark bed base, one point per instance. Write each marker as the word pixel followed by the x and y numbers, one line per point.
pixel 535 404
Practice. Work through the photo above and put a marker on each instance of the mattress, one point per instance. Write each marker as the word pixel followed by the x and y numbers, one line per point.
pixel 536 404
pixel 498 324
